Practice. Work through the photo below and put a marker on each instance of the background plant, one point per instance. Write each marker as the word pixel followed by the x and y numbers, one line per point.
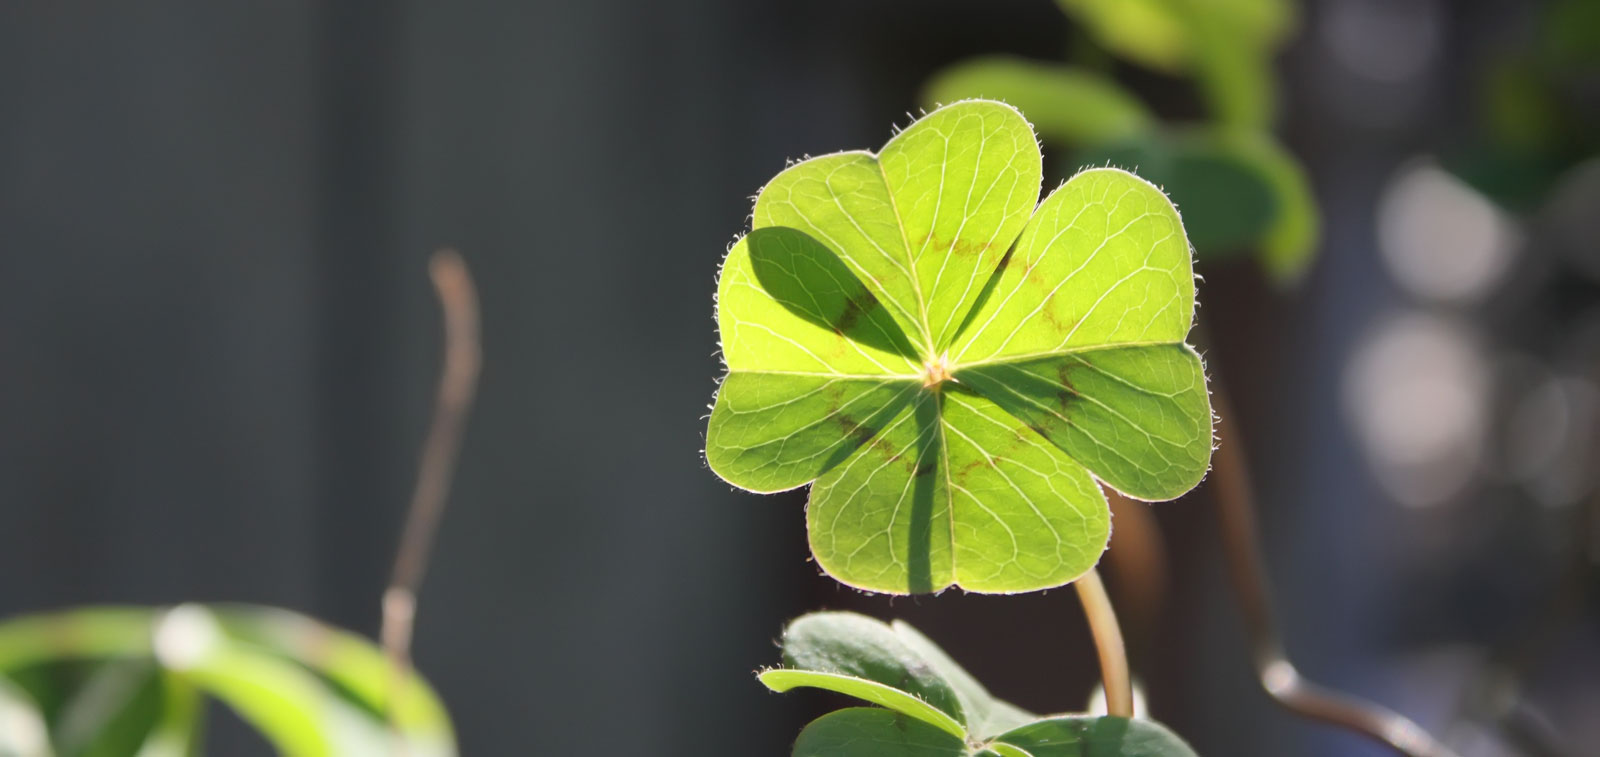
pixel 117 681
pixel 1238 188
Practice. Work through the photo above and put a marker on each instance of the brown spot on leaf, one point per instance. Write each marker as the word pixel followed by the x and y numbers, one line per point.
pixel 858 431
pixel 1049 314
pixel 848 317
pixel 1067 392
pixel 934 243
pixel 1034 277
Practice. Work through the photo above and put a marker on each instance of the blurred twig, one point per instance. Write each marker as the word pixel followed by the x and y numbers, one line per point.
pixel 1230 479
pixel 457 383
pixel 1137 562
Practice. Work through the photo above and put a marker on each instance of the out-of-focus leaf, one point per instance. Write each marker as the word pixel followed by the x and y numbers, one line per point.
pixel 1570 35
pixel 1227 44
pixel 113 713
pixel 1159 33
pixel 23 732
pixel 1290 243
pixel 355 664
pixel 178 732
pixel 309 689
pixel 75 634
pixel 1235 76
pixel 1064 103
pixel 781 680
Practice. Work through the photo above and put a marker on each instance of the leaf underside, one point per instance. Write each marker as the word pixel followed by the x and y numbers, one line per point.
pixel 951 366
pixel 931 706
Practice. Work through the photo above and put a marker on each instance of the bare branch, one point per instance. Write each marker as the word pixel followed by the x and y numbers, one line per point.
pixel 458 382
pixel 1230 477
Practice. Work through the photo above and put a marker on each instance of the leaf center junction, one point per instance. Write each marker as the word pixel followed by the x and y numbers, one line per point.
pixel 936 371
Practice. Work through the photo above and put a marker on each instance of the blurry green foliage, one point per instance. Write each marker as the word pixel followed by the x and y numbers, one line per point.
pixel 1063 102
pixel 133 681
pixel 1162 33
pixel 1538 108
pixel 1237 188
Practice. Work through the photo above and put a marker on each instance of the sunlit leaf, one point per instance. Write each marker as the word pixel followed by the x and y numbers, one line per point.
pixel 930 466
pixel 1238 192
pixel 781 680
pixel 1064 103
pixel 1227 206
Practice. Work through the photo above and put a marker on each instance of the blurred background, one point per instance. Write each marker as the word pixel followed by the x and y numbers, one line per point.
pixel 218 347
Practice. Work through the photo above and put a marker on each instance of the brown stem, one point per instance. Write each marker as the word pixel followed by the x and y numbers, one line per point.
pixel 1108 642
pixel 458 381
pixel 1137 563
pixel 1230 479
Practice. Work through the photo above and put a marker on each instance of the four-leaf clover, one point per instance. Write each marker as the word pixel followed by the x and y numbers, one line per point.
pixel 951 367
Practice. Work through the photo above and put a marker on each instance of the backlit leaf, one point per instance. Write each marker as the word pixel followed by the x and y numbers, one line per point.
pixel 781 680
pixel 952 366
pixel 1064 103
pixel 1238 191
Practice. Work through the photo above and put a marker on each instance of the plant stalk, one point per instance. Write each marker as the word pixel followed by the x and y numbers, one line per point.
pixel 458 380
pixel 1230 483
pixel 1108 642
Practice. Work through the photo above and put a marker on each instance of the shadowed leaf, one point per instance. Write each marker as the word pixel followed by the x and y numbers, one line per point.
pixel 868 732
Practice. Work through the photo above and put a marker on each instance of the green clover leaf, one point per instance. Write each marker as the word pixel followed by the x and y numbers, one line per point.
pixel 951 367
pixel 930 706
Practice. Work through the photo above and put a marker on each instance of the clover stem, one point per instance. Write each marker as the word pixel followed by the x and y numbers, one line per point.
pixel 1108 642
